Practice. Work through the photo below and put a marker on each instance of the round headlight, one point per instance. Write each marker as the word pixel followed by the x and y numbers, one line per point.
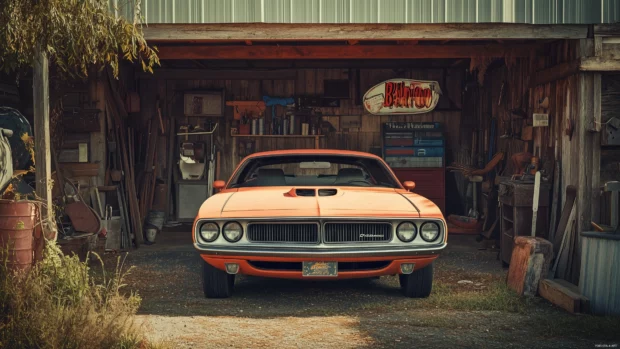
pixel 406 231
pixel 209 231
pixel 429 231
pixel 232 231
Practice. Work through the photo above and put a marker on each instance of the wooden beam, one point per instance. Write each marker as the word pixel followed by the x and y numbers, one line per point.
pixel 555 73
pixel 607 29
pixel 343 32
pixel 599 64
pixel 43 154
pixel 344 52
pixel 205 74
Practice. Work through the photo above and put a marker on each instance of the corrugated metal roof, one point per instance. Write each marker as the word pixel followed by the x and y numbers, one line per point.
pixel 378 11
pixel 600 272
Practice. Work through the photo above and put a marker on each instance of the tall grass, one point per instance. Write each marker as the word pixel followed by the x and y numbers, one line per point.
pixel 60 304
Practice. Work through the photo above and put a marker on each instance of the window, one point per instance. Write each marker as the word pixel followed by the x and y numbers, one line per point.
pixel 314 170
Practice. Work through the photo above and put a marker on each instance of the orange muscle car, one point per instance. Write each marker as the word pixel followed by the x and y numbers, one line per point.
pixel 317 214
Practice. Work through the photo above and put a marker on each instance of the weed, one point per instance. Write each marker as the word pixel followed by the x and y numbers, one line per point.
pixel 59 304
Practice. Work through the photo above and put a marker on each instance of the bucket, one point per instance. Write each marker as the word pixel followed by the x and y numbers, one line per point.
pixel 156 219
pixel 17 223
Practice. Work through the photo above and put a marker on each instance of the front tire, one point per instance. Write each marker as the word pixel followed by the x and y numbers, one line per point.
pixel 417 284
pixel 216 283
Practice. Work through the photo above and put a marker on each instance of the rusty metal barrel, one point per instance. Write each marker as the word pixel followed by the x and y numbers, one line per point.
pixel 17 223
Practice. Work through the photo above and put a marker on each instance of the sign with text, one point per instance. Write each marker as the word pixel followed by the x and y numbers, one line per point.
pixel 402 96
pixel 540 120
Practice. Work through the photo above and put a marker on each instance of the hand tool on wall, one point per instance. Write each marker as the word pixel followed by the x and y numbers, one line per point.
pixel 535 201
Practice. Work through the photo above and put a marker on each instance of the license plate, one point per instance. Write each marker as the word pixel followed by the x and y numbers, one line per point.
pixel 320 269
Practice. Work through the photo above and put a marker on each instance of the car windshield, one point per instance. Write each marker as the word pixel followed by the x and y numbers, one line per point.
pixel 314 170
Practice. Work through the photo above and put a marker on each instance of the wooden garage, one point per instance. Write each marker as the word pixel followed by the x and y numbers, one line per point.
pixel 513 100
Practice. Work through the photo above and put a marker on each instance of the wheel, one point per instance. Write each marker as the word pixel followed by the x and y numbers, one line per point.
pixel 417 284
pixel 216 283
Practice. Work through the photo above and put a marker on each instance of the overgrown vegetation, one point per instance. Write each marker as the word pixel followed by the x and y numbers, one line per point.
pixel 76 34
pixel 60 304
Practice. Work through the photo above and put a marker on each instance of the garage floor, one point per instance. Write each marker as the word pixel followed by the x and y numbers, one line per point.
pixel 469 307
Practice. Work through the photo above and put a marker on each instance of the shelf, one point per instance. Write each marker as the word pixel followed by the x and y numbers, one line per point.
pixel 279 136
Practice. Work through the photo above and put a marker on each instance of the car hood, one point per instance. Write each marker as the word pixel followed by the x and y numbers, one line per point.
pixel 282 202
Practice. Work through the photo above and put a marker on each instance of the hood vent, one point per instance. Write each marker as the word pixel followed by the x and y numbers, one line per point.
pixel 328 192
pixel 305 192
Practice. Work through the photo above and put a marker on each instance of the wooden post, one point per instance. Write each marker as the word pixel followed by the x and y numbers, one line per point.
pixel 98 143
pixel 41 103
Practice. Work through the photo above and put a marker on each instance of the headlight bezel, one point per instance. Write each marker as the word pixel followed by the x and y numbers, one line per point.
pixel 224 231
pixel 415 231
pixel 217 235
pixel 430 223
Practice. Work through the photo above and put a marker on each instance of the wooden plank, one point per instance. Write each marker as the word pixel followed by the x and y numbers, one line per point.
pixel 301 31
pixel 41 108
pixel 205 74
pixel 599 64
pixel 343 52
pixel 564 295
pixel 556 72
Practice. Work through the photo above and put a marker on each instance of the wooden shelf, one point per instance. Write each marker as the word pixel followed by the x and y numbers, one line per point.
pixel 279 136
pixel 317 144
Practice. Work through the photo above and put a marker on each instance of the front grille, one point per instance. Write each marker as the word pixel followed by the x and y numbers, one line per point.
pixel 357 232
pixel 284 232
pixel 342 266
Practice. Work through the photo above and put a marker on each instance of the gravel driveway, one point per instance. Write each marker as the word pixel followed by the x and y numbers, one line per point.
pixel 477 312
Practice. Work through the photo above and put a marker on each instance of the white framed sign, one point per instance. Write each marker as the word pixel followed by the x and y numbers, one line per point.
pixel 402 96
pixel 540 120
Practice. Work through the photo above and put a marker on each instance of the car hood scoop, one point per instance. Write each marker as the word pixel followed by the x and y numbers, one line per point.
pixel 294 192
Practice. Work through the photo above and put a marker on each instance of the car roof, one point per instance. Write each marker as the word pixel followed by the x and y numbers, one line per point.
pixel 313 152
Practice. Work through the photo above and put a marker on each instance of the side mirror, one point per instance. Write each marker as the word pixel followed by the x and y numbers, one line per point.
pixel 219 185
pixel 409 185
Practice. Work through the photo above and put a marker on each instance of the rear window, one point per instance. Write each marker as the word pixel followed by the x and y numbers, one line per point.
pixel 314 170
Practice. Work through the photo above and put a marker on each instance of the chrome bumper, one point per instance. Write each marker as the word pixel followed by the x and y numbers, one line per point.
pixel 313 252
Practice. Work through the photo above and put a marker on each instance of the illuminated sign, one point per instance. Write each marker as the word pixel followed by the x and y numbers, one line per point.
pixel 402 96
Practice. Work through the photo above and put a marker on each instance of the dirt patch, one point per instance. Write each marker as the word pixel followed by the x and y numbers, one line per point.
pixel 238 332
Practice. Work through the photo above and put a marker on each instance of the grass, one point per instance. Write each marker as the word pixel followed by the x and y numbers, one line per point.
pixel 494 297
pixel 59 304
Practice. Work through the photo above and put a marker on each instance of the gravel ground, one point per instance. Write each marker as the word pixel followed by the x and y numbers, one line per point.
pixel 270 313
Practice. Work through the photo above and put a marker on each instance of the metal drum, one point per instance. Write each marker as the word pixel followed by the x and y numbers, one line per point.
pixel 17 222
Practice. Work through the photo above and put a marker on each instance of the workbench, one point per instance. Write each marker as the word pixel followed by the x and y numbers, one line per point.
pixel 516 200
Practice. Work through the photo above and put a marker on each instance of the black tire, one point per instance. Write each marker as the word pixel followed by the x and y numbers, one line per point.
pixel 216 283
pixel 417 284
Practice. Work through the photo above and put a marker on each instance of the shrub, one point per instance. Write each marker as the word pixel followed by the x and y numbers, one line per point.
pixel 60 304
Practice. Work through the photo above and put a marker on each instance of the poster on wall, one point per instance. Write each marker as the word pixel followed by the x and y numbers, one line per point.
pixel 402 96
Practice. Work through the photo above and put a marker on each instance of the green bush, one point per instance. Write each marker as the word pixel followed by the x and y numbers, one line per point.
pixel 60 304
